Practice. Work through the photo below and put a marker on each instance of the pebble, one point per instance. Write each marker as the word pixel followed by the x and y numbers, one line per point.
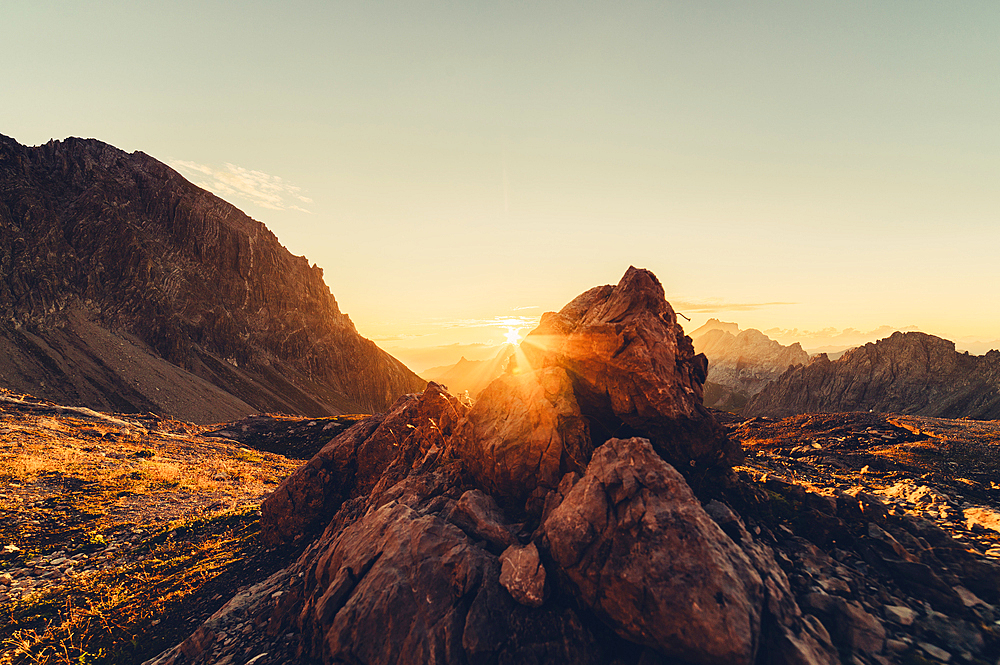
pixel 904 616
pixel 935 652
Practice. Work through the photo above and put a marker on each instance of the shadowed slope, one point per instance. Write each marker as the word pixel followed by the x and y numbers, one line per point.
pixel 97 242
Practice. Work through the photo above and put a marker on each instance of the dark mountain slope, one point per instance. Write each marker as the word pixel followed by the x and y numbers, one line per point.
pixel 912 373
pixel 115 270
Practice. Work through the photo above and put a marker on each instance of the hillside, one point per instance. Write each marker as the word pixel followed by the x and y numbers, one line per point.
pixel 125 287
pixel 912 373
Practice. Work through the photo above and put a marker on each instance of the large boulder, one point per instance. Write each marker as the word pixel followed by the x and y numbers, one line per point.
pixel 634 371
pixel 354 462
pixel 636 547
pixel 525 432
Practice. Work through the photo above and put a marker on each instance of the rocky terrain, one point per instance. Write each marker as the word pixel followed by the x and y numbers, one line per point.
pixel 741 363
pixel 470 376
pixel 588 509
pixel 912 373
pixel 192 310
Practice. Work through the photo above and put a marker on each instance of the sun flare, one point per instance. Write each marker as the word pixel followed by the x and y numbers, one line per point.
pixel 513 336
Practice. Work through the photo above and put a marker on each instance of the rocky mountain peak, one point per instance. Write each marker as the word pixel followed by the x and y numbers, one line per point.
pixel 741 363
pixel 907 372
pixel 632 368
pixel 104 250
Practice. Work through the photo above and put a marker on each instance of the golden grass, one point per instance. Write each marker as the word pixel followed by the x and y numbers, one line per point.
pixel 108 616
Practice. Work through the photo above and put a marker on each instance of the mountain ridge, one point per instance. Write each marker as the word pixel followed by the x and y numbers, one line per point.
pixel 188 279
pixel 912 373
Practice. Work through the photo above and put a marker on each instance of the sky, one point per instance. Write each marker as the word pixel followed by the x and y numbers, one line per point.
pixel 459 167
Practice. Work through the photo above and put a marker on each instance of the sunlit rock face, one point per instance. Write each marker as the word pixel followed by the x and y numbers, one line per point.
pixel 910 372
pixel 125 287
pixel 634 370
pixel 523 434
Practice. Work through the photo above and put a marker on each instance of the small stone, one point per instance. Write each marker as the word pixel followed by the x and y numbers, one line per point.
pixel 903 616
pixel 523 574
pixel 256 658
pixel 969 599
pixel 934 652
pixel 896 646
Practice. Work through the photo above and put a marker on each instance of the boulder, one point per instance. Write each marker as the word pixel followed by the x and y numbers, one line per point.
pixel 635 546
pixel 354 462
pixel 525 431
pixel 633 370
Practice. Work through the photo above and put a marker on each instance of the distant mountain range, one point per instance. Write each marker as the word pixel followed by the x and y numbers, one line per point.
pixel 125 287
pixel 911 373
pixel 471 375
pixel 740 363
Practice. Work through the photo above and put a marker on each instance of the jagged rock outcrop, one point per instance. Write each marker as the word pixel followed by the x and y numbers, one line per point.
pixel 125 287
pixel 911 373
pixel 625 561
pixel 373 451
pixel 634 371
pixel 741 363
pixel 499 534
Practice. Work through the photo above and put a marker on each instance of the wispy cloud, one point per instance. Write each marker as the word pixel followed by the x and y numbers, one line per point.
pixel 231 181
pixel 709 305
pixel 496 322
pixel 836 335
pixel 519 309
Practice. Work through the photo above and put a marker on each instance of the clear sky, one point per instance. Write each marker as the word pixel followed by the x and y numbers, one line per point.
pixel 785 165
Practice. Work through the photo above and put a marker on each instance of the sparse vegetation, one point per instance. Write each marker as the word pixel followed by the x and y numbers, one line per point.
pixel 120 539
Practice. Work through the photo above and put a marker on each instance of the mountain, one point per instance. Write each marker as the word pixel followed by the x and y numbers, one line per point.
pixel 741 363
pixel 911 373
pixel 126 287
pixel 471 375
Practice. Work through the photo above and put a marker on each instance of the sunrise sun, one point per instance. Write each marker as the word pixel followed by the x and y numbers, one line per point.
pixel 513 336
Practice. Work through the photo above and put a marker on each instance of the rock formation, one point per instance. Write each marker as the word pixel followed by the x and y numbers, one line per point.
pixel 510 532
pixel 127 288
pixel 633 369
pixel 911 373
pixel 741 363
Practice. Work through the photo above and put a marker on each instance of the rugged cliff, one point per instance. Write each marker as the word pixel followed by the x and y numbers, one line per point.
pixel 912 373
pixel 125 286
pixel 741 363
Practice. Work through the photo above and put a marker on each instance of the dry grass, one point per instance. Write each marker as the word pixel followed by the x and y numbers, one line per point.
pixel 125 614
pixel 179 509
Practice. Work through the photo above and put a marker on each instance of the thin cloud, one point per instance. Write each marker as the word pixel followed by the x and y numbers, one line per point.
pixel 518 309
pixel 835 335
pixel 262 189
pixel 719 305
pixel 495 322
